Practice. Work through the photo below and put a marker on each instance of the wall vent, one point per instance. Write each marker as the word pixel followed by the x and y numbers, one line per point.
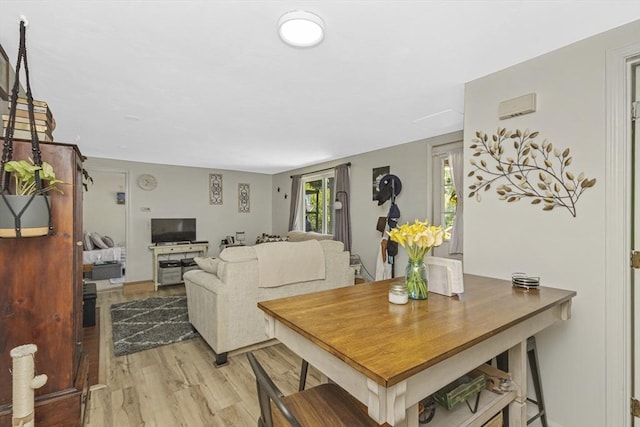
pixel 517 106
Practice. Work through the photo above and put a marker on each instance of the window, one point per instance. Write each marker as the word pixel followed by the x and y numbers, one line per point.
pixel 444 193
pixel 448 195
pixel 318 203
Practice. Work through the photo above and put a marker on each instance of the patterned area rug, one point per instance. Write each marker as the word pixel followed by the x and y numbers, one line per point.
pixel 148 323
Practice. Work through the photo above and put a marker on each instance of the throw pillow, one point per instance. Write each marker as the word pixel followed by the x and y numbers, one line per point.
pixel 265 238
pixel 108 241
pixel 210 265
pixel 97 241
pixel 87 243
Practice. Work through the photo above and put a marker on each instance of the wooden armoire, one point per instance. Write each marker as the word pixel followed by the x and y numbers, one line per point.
pixel 41 298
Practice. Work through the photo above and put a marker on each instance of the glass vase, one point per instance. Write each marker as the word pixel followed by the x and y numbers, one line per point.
pixel 416 279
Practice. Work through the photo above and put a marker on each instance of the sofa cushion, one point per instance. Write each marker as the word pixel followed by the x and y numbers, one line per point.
pixel 238 254
pixel 300 236
pixel 281 263
pixel 210 265
pixel 332 245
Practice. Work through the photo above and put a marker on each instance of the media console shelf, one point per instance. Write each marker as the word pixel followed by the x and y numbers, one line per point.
pixel 202 249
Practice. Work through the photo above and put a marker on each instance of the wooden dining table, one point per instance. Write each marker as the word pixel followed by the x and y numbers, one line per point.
pixel 390 357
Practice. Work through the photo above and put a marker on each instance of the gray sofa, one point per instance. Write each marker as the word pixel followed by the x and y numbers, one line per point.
pixel 222 295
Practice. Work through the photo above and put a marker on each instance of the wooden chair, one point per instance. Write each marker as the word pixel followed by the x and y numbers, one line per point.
pixel 532 356
pixel 303 375
pixel 323 405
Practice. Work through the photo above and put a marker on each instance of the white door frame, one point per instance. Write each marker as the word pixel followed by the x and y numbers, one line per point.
pixel 618 343
pixel 127 189
pixel 635 239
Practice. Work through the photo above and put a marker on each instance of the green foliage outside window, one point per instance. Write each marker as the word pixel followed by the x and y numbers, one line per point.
pixel 450 198
pixel 319 205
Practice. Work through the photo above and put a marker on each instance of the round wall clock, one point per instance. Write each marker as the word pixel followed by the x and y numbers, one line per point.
pixel 147 182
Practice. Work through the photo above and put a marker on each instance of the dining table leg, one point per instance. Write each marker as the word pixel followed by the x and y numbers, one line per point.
pixel 413 415
pixel 518 368
pixel 411 419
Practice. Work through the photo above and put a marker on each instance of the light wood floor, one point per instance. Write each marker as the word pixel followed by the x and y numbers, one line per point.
pixel 177 384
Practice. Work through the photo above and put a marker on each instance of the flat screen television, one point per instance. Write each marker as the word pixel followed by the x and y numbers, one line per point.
pixel 168 230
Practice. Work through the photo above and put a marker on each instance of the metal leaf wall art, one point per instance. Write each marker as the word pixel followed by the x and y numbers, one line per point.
pixel 535 171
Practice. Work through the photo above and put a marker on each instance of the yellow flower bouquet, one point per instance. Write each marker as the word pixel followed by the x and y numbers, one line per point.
pixel 417 239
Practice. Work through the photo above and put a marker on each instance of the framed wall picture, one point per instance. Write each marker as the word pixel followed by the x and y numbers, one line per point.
pixel 4 75
pixel 215 189
pixel 243 198
pixel 378 173
pixel 120 198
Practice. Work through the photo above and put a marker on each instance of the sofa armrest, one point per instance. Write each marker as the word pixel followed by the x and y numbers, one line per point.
pixel 208 307
pixel 203 279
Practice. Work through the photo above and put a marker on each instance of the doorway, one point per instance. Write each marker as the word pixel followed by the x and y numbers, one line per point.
pixel 619 230
pixel 105 212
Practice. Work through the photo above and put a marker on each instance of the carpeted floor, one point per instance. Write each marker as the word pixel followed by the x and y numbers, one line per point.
pixel 148 323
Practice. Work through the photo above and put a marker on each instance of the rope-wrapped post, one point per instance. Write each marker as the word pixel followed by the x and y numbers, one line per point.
pixel 24 383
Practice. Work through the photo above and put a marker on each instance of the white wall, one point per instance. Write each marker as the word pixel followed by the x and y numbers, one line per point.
pixel 500 238
pixel 565 252
pixel 184 192
pixel 101 214
pixel 410 162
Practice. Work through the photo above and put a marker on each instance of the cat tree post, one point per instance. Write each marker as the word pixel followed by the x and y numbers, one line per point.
pixel 24 384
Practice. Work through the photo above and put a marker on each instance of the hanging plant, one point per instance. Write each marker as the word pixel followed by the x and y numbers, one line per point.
pixel 23 174
pixel 86 178
pixel 536 171
pixel 25 209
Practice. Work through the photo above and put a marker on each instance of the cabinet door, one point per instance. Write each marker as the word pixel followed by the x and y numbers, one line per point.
pixel 39 284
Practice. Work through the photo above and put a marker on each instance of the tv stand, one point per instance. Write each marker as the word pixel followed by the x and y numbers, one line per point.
pixel 181 248
pixel 181 242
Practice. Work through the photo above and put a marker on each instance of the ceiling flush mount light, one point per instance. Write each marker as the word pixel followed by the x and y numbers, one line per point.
pixel 301 29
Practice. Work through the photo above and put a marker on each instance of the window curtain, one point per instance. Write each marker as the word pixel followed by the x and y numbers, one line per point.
pixel 456 164
pixel 295 202
pixel 342 217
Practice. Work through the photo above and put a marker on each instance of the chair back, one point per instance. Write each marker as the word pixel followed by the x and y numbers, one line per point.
pixel 268 392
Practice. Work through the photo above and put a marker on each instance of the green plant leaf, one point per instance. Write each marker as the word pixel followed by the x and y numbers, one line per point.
pixel 23 174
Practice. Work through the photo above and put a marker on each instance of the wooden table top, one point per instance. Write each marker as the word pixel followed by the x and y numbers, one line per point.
pixel 389 343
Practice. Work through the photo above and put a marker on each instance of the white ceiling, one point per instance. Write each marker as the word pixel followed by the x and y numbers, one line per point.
pixel 209 83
